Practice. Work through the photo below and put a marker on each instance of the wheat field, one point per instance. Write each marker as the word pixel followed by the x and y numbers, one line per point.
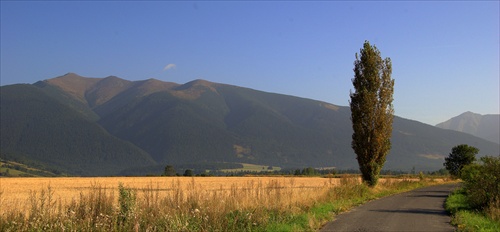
pixel 182 203
pixel 16 192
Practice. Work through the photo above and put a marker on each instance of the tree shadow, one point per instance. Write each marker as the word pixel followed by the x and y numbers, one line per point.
pixel 413 211
pixel 430 195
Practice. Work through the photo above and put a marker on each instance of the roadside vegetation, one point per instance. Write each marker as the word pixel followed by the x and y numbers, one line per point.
pixel 277 205
pixel 467 218
pixel 476 205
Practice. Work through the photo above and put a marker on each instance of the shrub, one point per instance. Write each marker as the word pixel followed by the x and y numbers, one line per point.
pixel 482 182
pixel 464 217
pixel 188 172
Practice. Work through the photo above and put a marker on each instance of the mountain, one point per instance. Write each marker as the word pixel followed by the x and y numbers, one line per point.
pixel 37 128
pixel 482 126
pixel 106 126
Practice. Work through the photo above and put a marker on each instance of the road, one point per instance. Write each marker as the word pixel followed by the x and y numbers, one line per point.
pixel 417 210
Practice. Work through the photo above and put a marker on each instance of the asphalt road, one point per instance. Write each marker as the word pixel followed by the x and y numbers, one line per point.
pixel 417 210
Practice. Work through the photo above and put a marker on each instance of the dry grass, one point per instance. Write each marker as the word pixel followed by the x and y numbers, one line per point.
pixel 172 203
pixel 16 191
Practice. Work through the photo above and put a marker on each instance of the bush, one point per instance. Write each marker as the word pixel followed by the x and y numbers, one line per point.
pixel 464 217
pixel 482 182
pixel 460 156
pixel 188 172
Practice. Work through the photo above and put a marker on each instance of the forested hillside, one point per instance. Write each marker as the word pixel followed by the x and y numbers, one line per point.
pixel 35 127
pixel 101 126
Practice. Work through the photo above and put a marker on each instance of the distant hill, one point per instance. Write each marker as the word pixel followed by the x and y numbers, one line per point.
pixel 105 126
pixel 482 126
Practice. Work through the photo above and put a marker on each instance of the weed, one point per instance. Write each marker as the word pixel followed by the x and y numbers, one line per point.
pixel 126 201
pixel 464 217
pixel 256 204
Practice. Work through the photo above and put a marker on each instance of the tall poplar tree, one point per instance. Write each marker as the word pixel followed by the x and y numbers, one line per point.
pixel 372 112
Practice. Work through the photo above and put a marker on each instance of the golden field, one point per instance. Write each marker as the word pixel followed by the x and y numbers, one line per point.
pixel 184 203
pixel 16 192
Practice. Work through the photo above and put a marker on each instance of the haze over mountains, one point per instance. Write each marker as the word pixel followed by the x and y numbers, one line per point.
pixel 482 126
pixel 106 126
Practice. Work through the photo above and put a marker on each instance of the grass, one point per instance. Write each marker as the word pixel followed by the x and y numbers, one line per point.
pixel 15 169
pixel 191 204
pixel 12 172
pixel 349 194
pixel 467 219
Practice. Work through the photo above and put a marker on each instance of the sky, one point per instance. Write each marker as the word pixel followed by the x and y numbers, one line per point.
pixel 445 54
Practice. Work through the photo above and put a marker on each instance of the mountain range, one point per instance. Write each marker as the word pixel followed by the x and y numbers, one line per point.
pixel 109 126
pixel 482 126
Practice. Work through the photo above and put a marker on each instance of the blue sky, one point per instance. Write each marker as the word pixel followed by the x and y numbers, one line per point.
pixel 445 54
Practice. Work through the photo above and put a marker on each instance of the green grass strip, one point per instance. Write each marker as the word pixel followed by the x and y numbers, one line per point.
pixel 313 218
pixel 465 218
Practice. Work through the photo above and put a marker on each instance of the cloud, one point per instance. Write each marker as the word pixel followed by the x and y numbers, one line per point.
pixel 169 66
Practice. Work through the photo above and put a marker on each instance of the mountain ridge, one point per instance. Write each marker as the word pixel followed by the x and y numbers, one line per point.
pixel 483 126
pixel 202 121
pixel 35 127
